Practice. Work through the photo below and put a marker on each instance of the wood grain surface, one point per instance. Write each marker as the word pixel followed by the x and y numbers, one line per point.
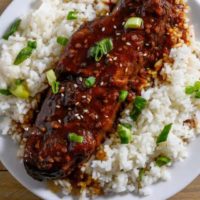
pixel 10 189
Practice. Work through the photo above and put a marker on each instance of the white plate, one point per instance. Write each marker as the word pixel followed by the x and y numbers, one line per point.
pixel 182 173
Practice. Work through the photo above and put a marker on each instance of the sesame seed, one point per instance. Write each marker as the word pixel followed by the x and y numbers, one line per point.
pixel 128 44
pixel 102 83
pixel 115 27
pixel 88 99
pixel 75 85
pixel 62 89
pixel 59 121
pixel 62 95
pixel 58 106
pixel 118 33
pixel 77 103
pixel 103 29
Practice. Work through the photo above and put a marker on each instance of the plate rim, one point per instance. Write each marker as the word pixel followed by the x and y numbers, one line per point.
pixel 10 7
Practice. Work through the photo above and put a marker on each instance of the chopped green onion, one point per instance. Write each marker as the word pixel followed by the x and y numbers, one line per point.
pixel 51 76
pixel 141 174
pixel 134 22
pixel 189 90
pixel 162 160
pixel 5 92
pixel 72 15
pixel 20 89
pixel 101 48
pixel 55 87
pixel 90 81
pixel 12 29
pixel 193 89
pixel 62 40
pixel 197 95
pixel 138 106
pixel 96 52
pixel 197 86
pixel 127 125
pixel 32 44
pixel 73 137
pixel 23 55
pixel 123 95
pixel 124 134
pixel 18 81
pixel 25 52
pixel 164 134
pixel 52 80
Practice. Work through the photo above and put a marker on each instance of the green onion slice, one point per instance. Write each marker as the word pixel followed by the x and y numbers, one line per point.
pixel 141 174
pixel 72 15
pixel 5 92
pixel 134 23
pixel 73 137
pixel 32 44
pixel 55 87
pixel 100 49
pixel 124 134
pixel 162 160
pixel 90 81
pixel 62 40
pixel 164 134
pixel 138 105
pixel 189 90
pixel 51 76
pixel 25 53
pixel 123 95
pixel 197 95
pixel 52 80
pixel 193 89
pixel 197 86
pixel 12 29
pixel 129 126
pixel 19 89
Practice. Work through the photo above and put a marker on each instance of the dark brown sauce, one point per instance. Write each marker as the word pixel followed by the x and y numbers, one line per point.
pixel 92 112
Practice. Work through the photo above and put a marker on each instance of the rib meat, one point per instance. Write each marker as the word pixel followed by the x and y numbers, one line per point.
pixel 92 112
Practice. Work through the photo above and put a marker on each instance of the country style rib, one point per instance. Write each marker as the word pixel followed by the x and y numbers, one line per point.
pixel 92 112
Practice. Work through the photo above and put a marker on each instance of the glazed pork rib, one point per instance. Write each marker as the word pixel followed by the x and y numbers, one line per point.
pixel 92 112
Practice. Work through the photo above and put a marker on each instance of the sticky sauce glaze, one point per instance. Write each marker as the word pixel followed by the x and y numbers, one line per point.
pixel 92 112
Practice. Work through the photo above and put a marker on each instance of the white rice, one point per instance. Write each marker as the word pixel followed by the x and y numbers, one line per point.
pixel 167 102
pixel 43 25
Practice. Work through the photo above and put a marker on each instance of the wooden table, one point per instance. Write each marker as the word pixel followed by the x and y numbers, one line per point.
pixel 10 189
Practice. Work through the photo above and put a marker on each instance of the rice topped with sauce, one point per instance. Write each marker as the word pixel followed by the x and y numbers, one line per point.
pixel 116 167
